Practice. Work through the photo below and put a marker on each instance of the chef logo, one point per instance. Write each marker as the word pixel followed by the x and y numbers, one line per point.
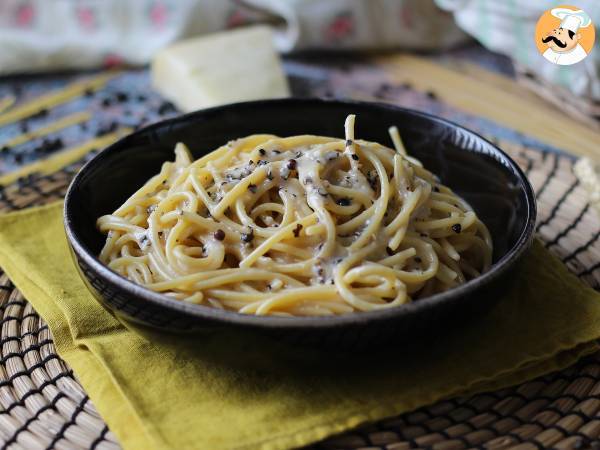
pixel 564 35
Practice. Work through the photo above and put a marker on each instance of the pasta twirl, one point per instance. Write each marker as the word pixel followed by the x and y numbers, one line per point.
pixel 297 226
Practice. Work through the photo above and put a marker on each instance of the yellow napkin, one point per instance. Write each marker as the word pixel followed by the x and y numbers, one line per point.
pixel 229 390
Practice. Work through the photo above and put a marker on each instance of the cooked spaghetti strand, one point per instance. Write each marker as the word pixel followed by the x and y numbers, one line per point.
pixel 303 225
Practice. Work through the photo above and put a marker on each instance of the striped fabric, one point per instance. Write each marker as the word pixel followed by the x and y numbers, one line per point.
pixel 508 27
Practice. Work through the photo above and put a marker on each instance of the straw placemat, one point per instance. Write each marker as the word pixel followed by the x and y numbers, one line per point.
pixel 43 405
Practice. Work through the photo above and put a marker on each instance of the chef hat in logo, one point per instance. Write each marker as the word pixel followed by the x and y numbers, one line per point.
pixel 572 20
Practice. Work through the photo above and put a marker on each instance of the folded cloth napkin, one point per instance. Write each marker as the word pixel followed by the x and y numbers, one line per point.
pixel 226 390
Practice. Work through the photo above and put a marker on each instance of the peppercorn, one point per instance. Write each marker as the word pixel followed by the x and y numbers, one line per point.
pixel 297 230
pixel 112 126
pixel 291 164
pixel 166 107
pixel 219 235
pixel 457 228
pixel 248 237
pixel 121 97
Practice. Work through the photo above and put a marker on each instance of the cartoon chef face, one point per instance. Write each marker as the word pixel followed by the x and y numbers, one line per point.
pixel 561 40
pixel 564 40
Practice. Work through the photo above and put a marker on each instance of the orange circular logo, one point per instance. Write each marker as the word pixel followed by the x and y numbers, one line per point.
pixel 565 35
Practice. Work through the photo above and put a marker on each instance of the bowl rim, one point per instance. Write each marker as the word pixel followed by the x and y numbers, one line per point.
pixel 505 262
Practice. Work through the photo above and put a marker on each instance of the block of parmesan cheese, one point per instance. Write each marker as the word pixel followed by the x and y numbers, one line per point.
pixel 220 68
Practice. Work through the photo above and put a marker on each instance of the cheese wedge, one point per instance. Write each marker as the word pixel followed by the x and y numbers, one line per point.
pixel 220 68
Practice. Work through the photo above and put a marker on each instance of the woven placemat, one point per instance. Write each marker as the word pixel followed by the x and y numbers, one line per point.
pixel 43 405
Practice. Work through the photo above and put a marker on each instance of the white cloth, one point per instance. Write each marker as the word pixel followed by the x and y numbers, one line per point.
pixel 505 28
pixel 566 58
pixel 37 35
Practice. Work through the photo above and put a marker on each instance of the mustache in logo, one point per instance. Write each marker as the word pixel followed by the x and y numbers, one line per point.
pixel 556 41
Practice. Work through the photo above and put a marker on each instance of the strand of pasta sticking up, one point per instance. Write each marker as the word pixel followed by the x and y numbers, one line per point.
pixel 297 226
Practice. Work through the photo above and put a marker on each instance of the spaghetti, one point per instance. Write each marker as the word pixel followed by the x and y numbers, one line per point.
pixel 297 226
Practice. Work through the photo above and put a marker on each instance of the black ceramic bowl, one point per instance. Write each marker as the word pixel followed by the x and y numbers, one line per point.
pixel 474 168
